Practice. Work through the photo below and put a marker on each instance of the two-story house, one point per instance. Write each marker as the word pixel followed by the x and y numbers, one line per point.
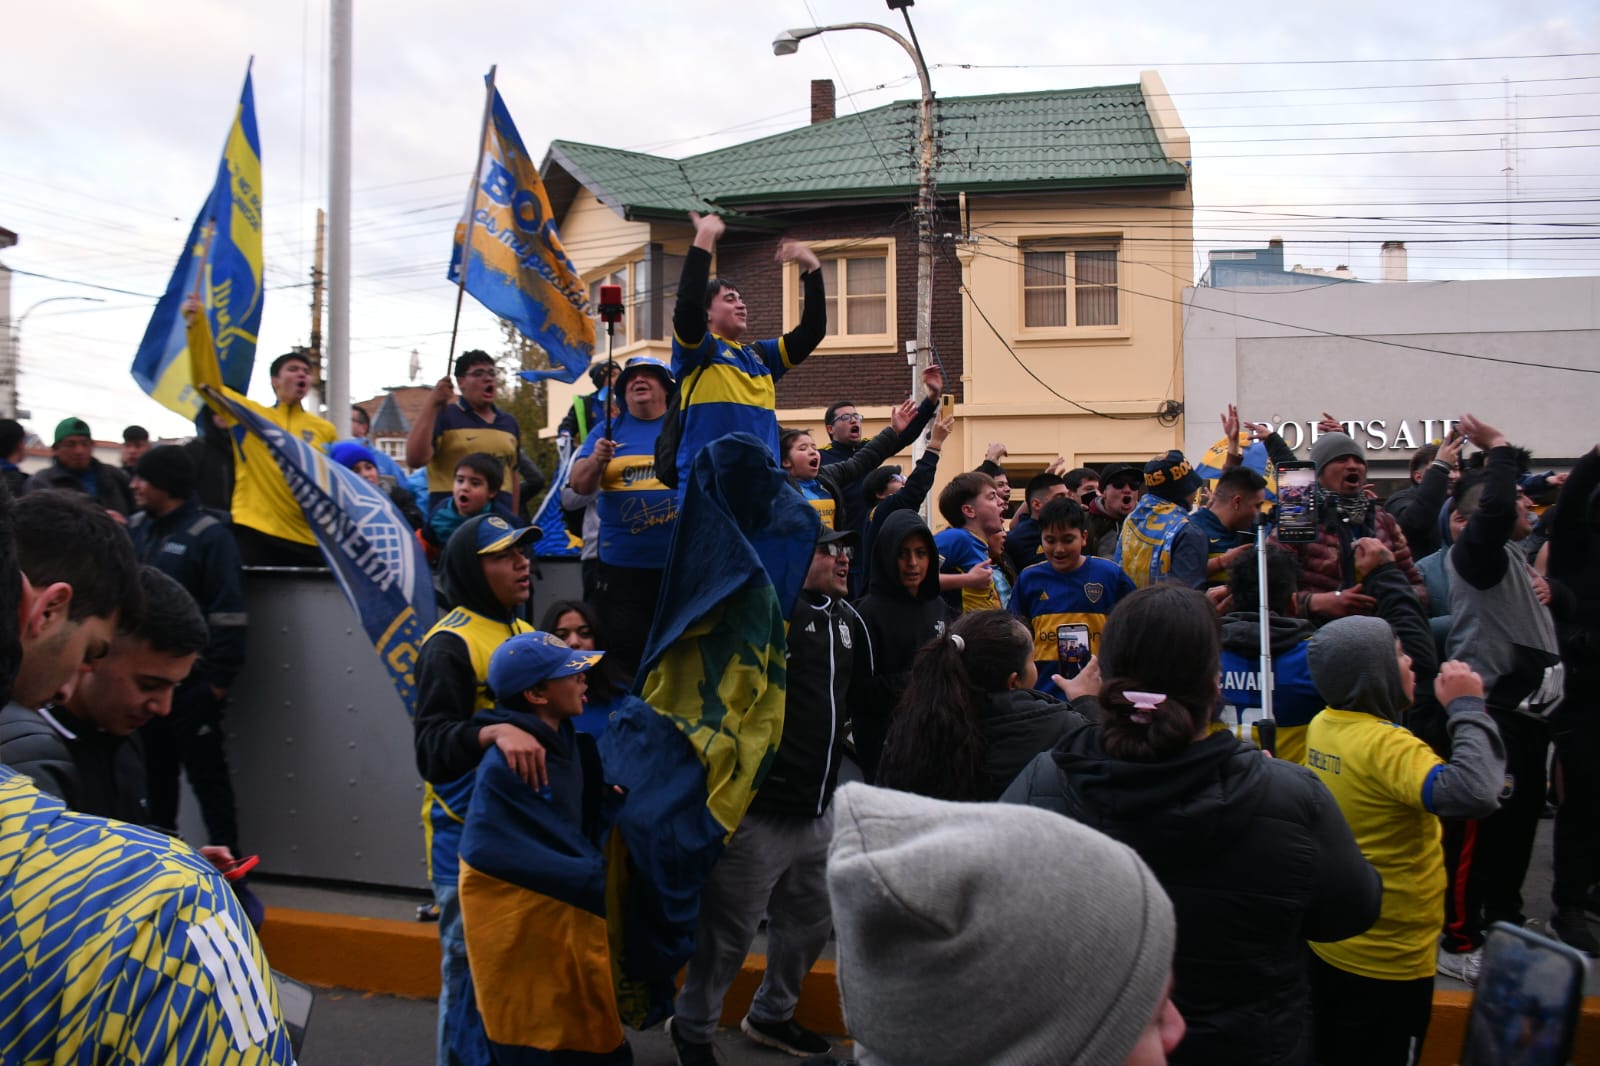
pixel 1062 249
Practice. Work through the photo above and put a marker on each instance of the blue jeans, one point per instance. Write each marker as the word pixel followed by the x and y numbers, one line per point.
pixel 453 973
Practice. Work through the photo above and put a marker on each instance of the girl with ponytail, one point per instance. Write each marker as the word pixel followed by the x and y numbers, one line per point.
pixel 969 719
pixel 1252 850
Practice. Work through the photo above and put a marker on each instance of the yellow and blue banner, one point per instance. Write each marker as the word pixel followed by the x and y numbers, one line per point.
pixel 1255 457
pixel 222 260
pixel 365 539
pixel 713 683
pixel 516 265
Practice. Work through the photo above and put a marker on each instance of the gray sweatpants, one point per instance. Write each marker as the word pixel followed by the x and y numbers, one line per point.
pixel 775 865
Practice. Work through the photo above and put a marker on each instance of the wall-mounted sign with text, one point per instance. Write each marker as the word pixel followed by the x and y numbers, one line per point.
pixel 1375 435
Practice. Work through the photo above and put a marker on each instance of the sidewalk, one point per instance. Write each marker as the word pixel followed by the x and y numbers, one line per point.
pixel 357 938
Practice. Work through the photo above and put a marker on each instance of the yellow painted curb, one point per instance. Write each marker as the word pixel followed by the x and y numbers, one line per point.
pixel 396 958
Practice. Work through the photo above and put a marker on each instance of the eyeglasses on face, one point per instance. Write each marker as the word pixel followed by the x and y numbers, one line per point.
pixel 851 417
pixel 481 372
pixel 837 550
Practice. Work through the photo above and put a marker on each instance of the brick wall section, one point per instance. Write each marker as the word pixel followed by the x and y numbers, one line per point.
pixel 872 379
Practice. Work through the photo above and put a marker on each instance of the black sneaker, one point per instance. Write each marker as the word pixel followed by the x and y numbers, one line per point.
pixel 1571 926
pixel 690 1053
pixel 786 1035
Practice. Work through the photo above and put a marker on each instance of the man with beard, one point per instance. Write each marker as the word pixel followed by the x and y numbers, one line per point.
pixel 1346 513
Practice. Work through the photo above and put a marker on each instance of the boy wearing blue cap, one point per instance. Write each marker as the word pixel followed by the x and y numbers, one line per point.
pixel 533 876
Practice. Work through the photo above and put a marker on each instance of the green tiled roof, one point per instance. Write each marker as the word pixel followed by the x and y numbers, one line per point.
pixel 1059 139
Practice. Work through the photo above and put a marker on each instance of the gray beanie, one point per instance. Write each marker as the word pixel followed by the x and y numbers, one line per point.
pixel 1331 446
pixel 1354 667
pixel 990 932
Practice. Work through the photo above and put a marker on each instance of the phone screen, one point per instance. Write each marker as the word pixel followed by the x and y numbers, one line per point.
pixel 1297 502
pixel 1525 1009
pixel 1072 648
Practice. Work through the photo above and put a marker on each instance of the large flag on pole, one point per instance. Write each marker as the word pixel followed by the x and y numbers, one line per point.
pixel 367 542
pixel 222 263
pixel 516 264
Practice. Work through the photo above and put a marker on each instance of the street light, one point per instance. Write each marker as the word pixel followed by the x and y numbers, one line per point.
pixel 13 359
pixel 787 43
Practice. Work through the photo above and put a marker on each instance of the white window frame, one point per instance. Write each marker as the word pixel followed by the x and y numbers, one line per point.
pixel 842 343
pixel 1097 242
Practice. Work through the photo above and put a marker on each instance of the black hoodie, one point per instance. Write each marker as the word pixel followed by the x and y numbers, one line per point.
pixel 898 623
pixel 1256 858
pixel 449 688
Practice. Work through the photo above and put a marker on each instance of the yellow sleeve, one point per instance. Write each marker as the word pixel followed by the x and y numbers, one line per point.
pixel 1402 764
pixel 203 365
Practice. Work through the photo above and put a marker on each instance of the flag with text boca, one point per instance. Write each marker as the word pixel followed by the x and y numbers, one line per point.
pixel 367 543
pixel 222 260
pixel 516 265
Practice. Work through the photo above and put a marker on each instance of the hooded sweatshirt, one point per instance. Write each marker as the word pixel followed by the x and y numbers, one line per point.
pixel 452 684
pixel 898 623
pixel 1390 786
pixel 1256 859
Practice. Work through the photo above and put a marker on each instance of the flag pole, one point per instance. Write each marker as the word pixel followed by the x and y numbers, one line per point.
pixel 472 213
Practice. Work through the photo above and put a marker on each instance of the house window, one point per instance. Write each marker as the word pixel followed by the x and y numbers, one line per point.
pixel 859 279
pixel 858 294
pixel 648 285
pixel 1069 283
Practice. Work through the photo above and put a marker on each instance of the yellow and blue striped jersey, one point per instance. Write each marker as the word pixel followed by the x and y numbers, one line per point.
pixel 1045 600
pixel 121 945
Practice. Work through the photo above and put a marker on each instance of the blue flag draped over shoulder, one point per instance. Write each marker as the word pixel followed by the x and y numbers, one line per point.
pixel 230 222
pixel 516 265
pixel 713 684
pixel 368 544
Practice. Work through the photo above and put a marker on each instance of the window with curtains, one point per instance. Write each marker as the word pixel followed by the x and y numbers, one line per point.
pixel 858 276
pixel 1068 284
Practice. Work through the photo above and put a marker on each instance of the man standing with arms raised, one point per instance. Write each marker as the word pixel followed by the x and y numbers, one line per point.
pixel 728 386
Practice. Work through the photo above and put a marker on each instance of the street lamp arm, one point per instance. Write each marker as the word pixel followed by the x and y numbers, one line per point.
pixel 788 41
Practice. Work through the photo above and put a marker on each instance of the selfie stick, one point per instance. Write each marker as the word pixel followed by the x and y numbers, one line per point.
pixel 1268 726
pixel 610 314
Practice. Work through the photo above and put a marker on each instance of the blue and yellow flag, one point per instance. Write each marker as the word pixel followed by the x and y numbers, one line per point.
pixel 223 260
pixel 556 542
pixel 517 266
pixel 693 754
pixel 368 544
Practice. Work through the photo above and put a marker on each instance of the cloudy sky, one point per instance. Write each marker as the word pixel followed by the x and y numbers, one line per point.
pixel 1334 127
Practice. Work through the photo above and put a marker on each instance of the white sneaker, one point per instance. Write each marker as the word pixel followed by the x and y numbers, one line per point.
pixel 1465 966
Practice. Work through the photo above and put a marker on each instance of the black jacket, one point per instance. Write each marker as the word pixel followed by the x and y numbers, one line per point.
pixel 91 771
pixel 193 546
pixel 1256 858
pixel 829 673
pixel 1022 541
pixel 1019 725
pixel 898 623
pixel 448 687
pixel 909 498
pixel 111 487
pixel 1416 507
pixel 1575 570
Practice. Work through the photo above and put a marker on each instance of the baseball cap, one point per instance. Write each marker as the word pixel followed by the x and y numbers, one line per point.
pixel 836 536
pixel 526 659
pixel 496 534
pixel 1122 474
pixel 71 426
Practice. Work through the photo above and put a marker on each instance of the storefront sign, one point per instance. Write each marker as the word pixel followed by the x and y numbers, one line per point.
pixel 1375 435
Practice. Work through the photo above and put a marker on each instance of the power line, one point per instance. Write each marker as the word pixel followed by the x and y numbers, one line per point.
pixel 1267 62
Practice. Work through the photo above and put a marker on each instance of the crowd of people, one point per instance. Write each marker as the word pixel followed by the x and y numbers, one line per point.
pixel 1177 896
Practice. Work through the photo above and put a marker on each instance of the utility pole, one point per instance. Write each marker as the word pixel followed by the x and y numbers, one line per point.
pixel 318 277
pixel 341 32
